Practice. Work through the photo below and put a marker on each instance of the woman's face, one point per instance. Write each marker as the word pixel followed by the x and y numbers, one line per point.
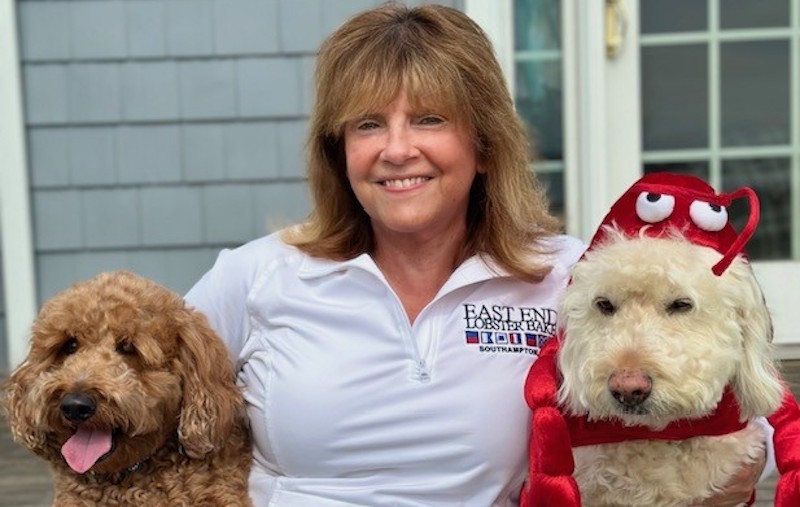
pixel 411 170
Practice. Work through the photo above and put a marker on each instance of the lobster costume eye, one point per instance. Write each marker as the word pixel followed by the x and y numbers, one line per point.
pixel 653 208
pixel 707 216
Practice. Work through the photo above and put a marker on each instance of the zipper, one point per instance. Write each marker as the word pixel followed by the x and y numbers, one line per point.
pixel 419 371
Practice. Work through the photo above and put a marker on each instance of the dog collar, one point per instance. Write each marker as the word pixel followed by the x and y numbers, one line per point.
pixel 724 420
pixel 117 477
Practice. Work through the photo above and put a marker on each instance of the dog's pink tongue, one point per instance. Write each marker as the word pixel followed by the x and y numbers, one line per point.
pixel 85 447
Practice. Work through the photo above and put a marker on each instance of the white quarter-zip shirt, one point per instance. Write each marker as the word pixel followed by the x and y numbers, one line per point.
pixel 352 405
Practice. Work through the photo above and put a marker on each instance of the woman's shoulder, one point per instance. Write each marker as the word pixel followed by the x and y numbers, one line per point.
pixel 563 248
pixel 237 271
pixel 562 251
pixel 256 256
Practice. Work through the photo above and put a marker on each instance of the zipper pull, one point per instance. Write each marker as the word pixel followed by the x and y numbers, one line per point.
pixel 421 373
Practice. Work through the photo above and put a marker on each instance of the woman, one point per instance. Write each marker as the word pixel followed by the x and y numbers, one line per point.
pixel 382 345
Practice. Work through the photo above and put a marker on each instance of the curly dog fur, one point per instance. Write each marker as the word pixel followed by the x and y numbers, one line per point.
pixel 122 355
pixel 646 317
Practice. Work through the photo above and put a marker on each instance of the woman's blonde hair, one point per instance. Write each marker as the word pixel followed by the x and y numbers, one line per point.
pixel 440 58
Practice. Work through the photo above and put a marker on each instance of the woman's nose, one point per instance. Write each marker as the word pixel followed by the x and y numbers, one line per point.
pixel 400 145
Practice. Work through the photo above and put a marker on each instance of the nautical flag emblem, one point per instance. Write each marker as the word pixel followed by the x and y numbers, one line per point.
pixel 536 340
pixel 472 336
pixel 515 338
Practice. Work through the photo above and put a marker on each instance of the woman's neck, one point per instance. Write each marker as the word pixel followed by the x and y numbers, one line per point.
pixel 417 270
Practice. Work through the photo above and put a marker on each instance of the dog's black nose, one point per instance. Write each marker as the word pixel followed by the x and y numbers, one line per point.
pixel 77 407
pixel 630 388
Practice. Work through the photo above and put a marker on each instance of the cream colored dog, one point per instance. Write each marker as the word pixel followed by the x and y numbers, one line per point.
pixel 653 336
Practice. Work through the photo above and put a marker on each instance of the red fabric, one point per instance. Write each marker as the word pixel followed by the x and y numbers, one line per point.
pixel 550 481
pixel 786 421
pixel 686 190
pixel 543 490
pixel 553 434
pixel 723 421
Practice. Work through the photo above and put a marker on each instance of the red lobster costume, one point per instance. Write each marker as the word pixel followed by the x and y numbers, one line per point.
pixel 654 204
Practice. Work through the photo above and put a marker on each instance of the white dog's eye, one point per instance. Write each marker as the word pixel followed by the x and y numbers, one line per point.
pixel 653 208
pixel 605 306
pixel 680 306
pixel 707 216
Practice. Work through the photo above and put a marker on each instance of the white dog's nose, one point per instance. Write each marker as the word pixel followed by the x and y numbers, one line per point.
pixel 630 387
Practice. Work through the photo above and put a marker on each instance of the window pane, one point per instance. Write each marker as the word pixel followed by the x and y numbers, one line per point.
pixel 675 97
pixel 754 95
pixel 753 14
pixel 659 16
pixel 539 93
pixel 537 25
pixel 699 169
pixel 538 90
pixel 770 179
pixel 553 182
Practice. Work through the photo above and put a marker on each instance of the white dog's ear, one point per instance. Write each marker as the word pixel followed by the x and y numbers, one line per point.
pixel 757 385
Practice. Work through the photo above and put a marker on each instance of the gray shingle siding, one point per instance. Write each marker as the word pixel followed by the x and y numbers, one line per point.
pixel 160 131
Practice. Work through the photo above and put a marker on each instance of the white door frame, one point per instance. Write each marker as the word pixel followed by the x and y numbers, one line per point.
pixel 15 214
pixel 601 110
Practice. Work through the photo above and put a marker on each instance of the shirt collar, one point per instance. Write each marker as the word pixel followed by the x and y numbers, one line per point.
pixel 473 270
pixel 318 267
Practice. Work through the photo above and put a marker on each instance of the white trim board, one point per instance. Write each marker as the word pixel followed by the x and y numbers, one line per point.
pixel 496 19
pixel 15 214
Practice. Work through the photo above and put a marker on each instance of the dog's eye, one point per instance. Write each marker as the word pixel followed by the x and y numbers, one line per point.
pixel 653 208
pixel 680 306
pixel 126 348
pixel 605 306
pixel 69 347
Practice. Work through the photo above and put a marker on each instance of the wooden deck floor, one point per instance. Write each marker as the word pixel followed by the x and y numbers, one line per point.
pixel 25 479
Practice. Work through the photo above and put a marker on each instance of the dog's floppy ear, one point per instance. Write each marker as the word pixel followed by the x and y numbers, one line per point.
pixel 23 413
pixel 756 383
pixel 211 400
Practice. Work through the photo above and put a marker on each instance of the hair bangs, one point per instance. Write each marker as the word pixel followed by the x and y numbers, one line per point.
pixel 437 89
pixel 364 94
pixel 370 82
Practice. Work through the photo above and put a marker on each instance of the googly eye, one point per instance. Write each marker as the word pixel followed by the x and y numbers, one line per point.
pixel 707 216
pixel 653 208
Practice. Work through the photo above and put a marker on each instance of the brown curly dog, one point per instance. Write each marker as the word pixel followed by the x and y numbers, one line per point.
pixel 129 395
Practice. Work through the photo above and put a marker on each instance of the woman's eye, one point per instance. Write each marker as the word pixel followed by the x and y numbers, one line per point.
pixel 653 208
pixel 707 216
pixel 367 125
pixel 431 120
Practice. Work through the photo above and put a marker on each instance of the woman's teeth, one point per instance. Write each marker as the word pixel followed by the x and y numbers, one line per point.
pixel 405 182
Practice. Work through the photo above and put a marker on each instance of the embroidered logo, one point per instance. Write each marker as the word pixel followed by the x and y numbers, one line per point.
pixel 498 328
